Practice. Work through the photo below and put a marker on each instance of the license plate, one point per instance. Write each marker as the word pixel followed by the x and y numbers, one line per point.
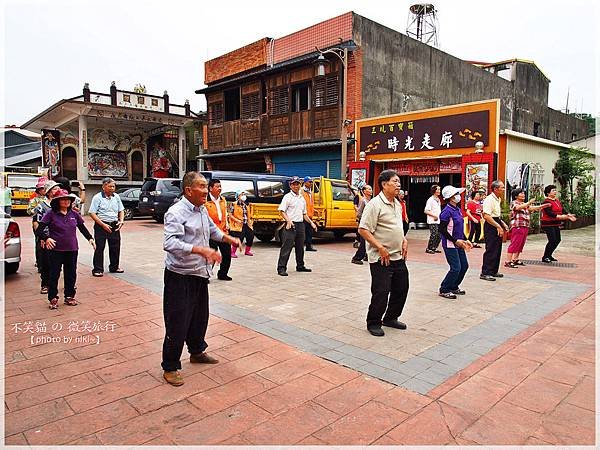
pixel 145 199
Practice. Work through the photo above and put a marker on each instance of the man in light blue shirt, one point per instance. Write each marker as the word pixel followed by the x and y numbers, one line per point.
pixel 108 214
pixel 188 266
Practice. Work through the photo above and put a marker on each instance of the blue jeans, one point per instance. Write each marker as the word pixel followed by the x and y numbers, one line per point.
pixel 457 259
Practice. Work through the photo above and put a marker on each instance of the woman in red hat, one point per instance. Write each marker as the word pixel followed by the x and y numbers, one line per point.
pixel 61 242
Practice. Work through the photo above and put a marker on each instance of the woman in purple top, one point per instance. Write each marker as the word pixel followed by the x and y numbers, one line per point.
pixel 61 243
pixel 454 243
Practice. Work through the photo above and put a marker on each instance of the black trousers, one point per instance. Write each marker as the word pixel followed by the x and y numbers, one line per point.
pixel 406 227
pixel 553 235
pixel 247 233
pixel 308 231
pixel 389 288
pixel 292 238
pixel 225 250
pixel 43 264
pixel 475 231
pixel 185 310
pixel 114 248
pixel 434 236
pixel 361 252
pixel 493 249
pixel 58 260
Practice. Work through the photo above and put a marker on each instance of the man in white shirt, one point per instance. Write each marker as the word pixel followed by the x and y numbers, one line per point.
pixel 293 210
pixel 493 232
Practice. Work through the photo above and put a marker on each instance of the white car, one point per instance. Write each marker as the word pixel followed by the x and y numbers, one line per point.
pixel 11 256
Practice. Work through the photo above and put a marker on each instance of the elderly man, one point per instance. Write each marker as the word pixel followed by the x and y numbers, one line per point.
pixel 307 193
pixel 188 266
pixel 216 206
pixel 293 211
pixel 493 231
pixel 107 212
pixel 381 226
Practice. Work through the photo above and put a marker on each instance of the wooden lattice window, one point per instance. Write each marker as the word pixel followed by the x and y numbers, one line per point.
pixel 279 101
pixel 215 113
pixel 251 106
pixel 327 92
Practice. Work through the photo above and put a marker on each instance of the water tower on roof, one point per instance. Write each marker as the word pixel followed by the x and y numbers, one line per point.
pixel 422 23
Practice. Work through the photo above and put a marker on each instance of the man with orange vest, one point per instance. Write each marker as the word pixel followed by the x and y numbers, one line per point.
pixel 216 206
pixel 307 193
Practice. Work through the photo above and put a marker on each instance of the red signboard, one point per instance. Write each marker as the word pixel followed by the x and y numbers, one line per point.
pixel 434 133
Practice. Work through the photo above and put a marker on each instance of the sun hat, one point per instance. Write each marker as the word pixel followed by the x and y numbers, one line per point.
pixel 450 190
pixel 50 184
pixel 62 194
pixel 41 183
pixel 295 180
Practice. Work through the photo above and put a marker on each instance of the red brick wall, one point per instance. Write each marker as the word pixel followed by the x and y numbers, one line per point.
pixel 324 34
pixel 354 97
pixel 245 58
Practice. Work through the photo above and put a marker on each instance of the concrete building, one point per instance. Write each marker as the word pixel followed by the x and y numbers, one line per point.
pixel 272 105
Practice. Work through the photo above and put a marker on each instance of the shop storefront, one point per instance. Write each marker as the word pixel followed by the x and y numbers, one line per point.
pixel 456 145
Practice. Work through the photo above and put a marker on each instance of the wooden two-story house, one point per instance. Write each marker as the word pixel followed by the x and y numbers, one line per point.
pixel 273 108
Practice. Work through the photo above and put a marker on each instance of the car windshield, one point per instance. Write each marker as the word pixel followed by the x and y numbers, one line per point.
pixel 169 185
pixel 149 185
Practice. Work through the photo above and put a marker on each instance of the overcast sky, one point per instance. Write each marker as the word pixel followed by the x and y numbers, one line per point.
pixel 53 47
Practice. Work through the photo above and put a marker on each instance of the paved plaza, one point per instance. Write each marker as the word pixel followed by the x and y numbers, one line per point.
pixel 512 362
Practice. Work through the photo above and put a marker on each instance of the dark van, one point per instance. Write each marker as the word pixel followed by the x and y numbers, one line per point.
pixel 157 195
pixel 262 188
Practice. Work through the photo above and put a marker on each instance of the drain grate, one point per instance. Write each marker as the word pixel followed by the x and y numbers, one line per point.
pixel 535 262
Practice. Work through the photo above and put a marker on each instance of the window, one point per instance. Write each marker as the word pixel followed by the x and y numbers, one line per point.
pixel 279 100
pixel 154 102
pixel 326 91
pixel 251 106
pixel 557 135
pixel 536 128
pixel 300 97
pixel 232 104
pixel 169 185
pixel 149 185
pixel 215 113
pixel 341 191
pixel 270 188
pixel 137 166
pixel 140 100
pixel 573 136
pixel 230 187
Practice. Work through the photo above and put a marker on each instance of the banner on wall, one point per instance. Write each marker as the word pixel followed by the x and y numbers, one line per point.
pixel 51 151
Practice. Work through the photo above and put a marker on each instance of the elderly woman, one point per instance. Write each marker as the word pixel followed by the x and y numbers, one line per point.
pixel 551 221
pixel 61 243
pixel 240 224
pixel 519 226
pixel 433 209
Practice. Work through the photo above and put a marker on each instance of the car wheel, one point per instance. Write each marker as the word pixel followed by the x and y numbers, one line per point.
pixel 268 237
pixel 159 218
pixel 10 268
pixel 339 235
pixel 128 212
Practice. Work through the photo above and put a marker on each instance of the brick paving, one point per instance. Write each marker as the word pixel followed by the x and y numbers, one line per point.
pixel 500 366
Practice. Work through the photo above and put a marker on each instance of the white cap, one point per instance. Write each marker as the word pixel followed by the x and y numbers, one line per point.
pixel 450 191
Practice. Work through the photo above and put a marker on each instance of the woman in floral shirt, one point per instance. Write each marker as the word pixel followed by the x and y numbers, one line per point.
pixel 519 226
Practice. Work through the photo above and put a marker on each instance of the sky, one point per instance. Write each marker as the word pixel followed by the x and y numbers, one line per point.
pixel 51 48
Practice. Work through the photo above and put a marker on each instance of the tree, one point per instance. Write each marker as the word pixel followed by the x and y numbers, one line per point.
pixel 573 164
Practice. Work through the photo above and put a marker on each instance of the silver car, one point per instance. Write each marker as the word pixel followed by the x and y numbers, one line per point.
pixel 11 256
